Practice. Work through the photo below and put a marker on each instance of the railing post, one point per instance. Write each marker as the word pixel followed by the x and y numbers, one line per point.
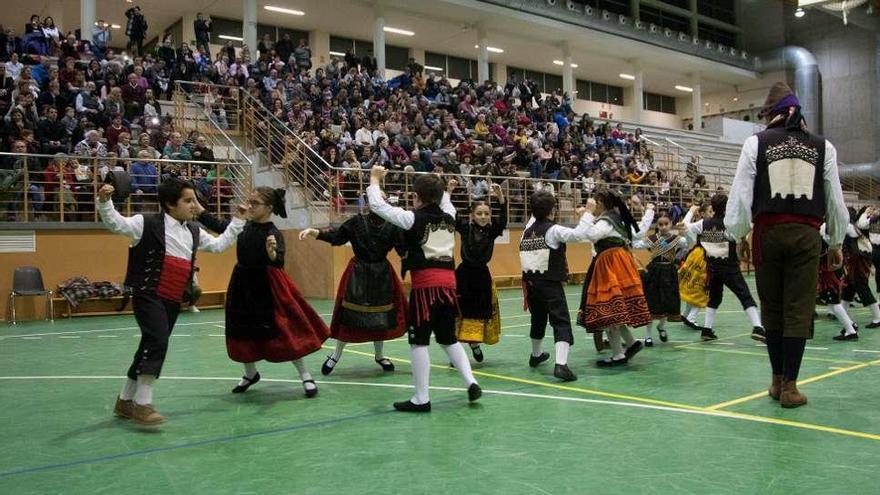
pixel 61 174
pixel 27 189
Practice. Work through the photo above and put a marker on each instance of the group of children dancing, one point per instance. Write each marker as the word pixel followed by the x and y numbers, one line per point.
pixel 267 317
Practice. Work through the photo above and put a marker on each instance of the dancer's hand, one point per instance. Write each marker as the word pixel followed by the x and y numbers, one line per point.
pixel 744 250
pixel 649 206
pixel 241 211
pixel 497 192
pixel 579 211
pixel 271 247
pixel 377 173
pixel 835 257
pixel 451 185
pixel 305 234
pixel 694 210
pixel 105 193
pixel 591 206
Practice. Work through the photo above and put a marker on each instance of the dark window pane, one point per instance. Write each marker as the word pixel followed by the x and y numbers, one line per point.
pixel 613 6
pixel 295 35
pixel 552 83
pixel 263 30
pixel 459 68
pixel 396 57
pixel 653 102
pixel 723 10
pixel 615 95
pixel 515 75
pixel 437 61
pixel 668 104
pixel 718 35
pixel 682 4
pixel 537 78
pixel 341 45
pixel 664 19
pixel 599 92
pixel 362 48
pixel 583 89
pixel 226 27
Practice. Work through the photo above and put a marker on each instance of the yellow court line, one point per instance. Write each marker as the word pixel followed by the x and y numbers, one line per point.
pixel 682 346
pixel 796 424
pixel 764 355
pixel 558 386
pixel 806 381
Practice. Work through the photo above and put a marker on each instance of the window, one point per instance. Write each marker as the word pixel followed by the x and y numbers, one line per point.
pixel 718 35
pixel 613 6
pixel 396 57
pixel 227 27
pixel 723 10
pixel 583 90
pixel 458 68
pixel 615 95
pixel 682 4
pixel 362 48
pixel 659 103
pixel 664 19
pixel 552 83
pixel 295 35
pixel 599 92
pixel 602 93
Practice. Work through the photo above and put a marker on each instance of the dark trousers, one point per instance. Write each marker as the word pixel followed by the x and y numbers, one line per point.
pixel 732 278
pixel 441 324
pixel 787 279
pixel 858 285
pixel 156 317
pixel 546 299
pixel 875 260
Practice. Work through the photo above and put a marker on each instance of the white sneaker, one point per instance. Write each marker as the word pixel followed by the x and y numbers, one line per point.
pixel 193 309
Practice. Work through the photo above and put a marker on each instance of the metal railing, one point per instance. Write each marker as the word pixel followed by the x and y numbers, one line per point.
pixel 62 188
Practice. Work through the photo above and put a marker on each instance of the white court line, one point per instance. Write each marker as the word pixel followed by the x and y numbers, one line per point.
pixel 69 337
pixel 722 343
pixel 633 405
pixel 107 336
pixel 816 348
pixel 219 326
pixel 72 332
pixel 866 350
pixel 181 335
pixel 216 335
pixel 32 338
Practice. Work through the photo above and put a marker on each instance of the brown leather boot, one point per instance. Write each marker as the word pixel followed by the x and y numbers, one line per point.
pixel 123 408
pixel 775 387
pixel 146 415
pixel 790 396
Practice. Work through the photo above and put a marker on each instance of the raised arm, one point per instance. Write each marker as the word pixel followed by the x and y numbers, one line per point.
pixel 393 214
pixel 131 227
pixel 221 243
pixel 212 223
pixel 645 224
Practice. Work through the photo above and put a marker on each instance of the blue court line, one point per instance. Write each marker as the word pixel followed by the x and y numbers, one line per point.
pixel 200 443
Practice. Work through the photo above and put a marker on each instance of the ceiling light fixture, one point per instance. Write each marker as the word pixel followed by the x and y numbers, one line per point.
pixel 282 10
pixel 337 54
pixel 431 67
pixel 800 12
pixel 628 77
pixel 231 38
pixel 398 31
pixel 491 49
pixel 684 88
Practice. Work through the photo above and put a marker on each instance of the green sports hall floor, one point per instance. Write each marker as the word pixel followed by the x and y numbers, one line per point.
pixel 683 417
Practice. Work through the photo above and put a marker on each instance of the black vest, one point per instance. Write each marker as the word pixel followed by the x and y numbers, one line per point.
pixel 720 251
pixel 430 242
pixel 790 169
pixel 145 259
pixel 538 260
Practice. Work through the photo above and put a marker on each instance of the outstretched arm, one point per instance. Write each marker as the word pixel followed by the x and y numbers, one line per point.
pixel 394 214
pixel 131 227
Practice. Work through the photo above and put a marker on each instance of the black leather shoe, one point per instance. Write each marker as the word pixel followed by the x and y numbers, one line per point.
pixel 240 389
pixel 534 361
pixel 564 373
pixel 649 342
pixel 408 406
pixel 478 354
pixel 843 336
pixel 386 364
pixel 310 392
pixel 633 349
pixel 708 334
pixel 608 363
pixel 327 368
pixel 474 392
pixel 663 335
pixel 688 323
pixel 873 324
pixel 759 334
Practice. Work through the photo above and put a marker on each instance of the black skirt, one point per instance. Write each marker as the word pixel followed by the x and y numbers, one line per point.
pixel 474 284
pixel 249 304
pixel 661 289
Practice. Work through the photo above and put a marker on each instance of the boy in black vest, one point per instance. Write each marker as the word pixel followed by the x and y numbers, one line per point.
pixel 544 274
pixel 722 260
pixel 161 260
pixel 429 238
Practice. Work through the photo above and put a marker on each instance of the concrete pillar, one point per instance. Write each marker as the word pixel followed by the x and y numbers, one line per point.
pixel 634 9
pixel 483 56
pixel 87 9
pixel 418 55
pixel 567 71
pixel 501 74
pixel 189 31
pixel 638 99
pixel 697 102
pixel 379 37
pixel 319 42
pixel 695 26
pixel 249 26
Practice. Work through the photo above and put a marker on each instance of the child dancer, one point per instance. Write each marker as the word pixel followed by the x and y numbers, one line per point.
pixel 267 317
pixel 614 299
pixel 857 260
pixel 723 268
pixel 544 273
pixel 869 221
pixel 161 263
pixel 661 276
pixel 370 303
pixel 693 284
pixel 828 292
pixel 429 238
pixel 480 320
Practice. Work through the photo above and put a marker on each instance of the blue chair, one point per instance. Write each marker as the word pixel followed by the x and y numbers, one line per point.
pixel 28 281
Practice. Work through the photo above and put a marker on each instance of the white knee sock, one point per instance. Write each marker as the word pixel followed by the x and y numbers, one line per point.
pixel 686 308
pixel 250 371
pixel 537 347
pixel 562 349
pixel 627 336
pixel 843 317
pixel 337 353
pixel 614 340
pixel 661 324
pixel 692 315
pixel 128 389
pixel 459 359
pixel 754 316
pixel 304 374
pixel 649 330
pixel 710 318
pixel 875 312
pixel 378 350
pixel 421 372
pixel 144 394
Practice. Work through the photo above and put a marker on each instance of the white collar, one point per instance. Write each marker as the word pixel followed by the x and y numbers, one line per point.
pixel 171 221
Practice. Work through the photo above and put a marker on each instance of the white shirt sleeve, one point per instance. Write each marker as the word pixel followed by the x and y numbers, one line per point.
pixel 850 232
pixel 738 217
pixel 836 215
pixel 446 205
pixel 645 224
pixel 695 228
pixel 587 230
pixel 221 243
pixel 396 215
pixel 131 227
pixel 864 222
pixel 640 244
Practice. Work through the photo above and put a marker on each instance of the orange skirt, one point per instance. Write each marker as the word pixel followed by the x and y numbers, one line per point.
pixel 614 294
